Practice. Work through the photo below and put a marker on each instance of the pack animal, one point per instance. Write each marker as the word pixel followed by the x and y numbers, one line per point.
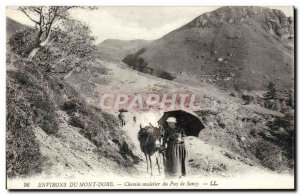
pixel 150 143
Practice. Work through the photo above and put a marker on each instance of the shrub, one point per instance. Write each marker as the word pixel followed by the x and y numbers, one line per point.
pixel 45 59
pixel 126 151
pixel 247 99
pixel 22 42
pixel 166 75
pixel 229 155
pixel 44 110
pixel 23 79
pixel 269 155
pixel 99 127
pixel 222 125
pixel 253 132
pixel 283 130
pixel 22 152
pixel 232 94
pixel 76 122
pixel 271 97
pixel 110 119
pixel 39 101
pixel 70 107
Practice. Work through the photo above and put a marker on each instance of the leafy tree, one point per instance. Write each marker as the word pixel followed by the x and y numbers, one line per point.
pixel 271 97
pixel 268 154
pixel 283 132
pixel 57 41
pixel 45 19
pixel 72 46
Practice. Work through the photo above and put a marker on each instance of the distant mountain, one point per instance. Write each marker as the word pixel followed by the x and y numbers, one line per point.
pixel 118 49
pixel 232 47
pixel 13 26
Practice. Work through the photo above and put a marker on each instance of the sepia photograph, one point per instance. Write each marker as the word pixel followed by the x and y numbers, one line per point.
pixel 150 98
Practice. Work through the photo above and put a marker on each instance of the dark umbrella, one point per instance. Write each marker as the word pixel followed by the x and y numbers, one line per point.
pixel 123 110
pixel 187 120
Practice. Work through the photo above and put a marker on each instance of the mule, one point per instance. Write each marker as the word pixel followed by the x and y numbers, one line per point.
pixel 150 143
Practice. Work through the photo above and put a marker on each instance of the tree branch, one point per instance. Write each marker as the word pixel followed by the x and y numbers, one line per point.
pixel 37 10
pixel 51 21
pixel 22 10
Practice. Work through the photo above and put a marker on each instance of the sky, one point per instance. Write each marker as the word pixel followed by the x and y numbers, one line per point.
pixel 128 23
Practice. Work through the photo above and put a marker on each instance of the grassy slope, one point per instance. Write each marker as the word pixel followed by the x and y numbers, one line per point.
pixel 118 49
pixel 249 51
pixel 51 107
pixel 228 123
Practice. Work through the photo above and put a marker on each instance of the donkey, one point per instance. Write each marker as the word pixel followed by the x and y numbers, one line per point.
pixel 150 142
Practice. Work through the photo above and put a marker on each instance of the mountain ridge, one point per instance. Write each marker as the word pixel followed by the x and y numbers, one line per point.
pixel 232 47
pixel 118 49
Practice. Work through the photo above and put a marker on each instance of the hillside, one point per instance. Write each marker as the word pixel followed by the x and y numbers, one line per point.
pixel 231 47
pixel 13 26
pixel 52 131
pixel 228 145
pixel 225 151
pixel 229 123
pixel 56 130
pixel 118 49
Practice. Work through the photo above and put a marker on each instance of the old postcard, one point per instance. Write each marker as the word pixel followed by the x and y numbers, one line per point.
pixel 152 98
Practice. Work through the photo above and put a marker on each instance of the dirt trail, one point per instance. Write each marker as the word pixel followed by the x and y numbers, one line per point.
pixel 204 159
pixel 123 78
pixel 70 156
pixel 131 128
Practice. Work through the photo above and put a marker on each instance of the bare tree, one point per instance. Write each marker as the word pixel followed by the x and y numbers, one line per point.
pixel 45 18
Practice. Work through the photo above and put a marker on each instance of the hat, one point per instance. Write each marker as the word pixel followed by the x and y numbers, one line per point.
pixel 171 120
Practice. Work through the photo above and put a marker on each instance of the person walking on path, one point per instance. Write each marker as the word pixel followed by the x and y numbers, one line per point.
pixel 176 154
pixel 134 118
pixel 122 119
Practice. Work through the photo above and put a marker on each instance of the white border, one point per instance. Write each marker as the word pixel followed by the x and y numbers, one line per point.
pixel 5 3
